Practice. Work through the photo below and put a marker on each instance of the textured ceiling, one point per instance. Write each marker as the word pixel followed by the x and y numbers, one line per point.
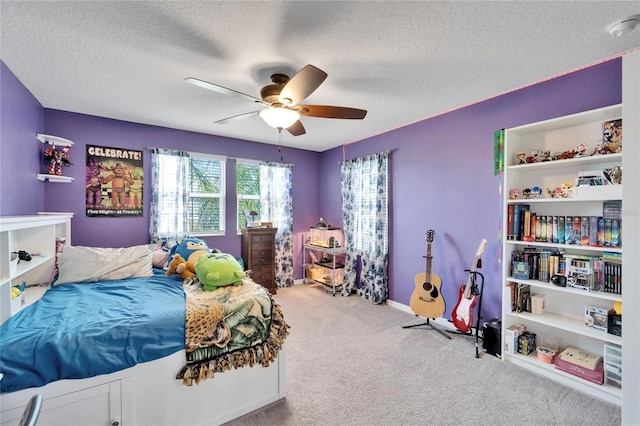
pixel 401 61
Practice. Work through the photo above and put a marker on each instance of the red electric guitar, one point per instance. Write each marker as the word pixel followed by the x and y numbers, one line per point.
pixel 426 300
pixel 463 312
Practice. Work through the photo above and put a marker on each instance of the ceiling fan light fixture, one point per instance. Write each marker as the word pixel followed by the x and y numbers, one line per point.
pixel 623 26
pixel 279 118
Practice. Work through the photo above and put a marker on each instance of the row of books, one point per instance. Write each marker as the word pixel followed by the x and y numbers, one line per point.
pixel 576 230
pixel 590 273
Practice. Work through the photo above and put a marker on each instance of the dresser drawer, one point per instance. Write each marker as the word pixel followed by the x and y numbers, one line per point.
pixel 261 251
pixel 262 268
pixel 263 278
pixel 265 239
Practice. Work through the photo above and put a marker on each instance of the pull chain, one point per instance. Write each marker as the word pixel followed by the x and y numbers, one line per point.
pixel 280 140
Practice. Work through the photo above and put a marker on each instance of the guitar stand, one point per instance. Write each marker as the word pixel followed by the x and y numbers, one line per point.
pixel 474 284
pixel 430 325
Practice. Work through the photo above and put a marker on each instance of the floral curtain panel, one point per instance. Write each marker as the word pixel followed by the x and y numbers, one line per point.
pixel 364 190
pixel 276 203
pixel 168 218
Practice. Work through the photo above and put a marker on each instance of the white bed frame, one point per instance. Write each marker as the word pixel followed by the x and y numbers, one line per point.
pixel 149 394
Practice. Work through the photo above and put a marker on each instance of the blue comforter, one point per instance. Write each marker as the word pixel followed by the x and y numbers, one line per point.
pixel 84 330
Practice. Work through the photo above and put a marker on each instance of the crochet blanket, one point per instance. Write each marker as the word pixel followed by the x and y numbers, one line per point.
pixel 231 327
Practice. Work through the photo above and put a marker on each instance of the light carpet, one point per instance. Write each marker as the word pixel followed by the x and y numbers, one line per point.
pixel 350 362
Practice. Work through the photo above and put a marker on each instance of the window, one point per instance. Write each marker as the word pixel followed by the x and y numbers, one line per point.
pixel 247 190
pixel 188 195
pixel 206 195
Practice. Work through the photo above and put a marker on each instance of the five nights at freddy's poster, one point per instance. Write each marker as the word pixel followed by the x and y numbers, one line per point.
pixel 113 182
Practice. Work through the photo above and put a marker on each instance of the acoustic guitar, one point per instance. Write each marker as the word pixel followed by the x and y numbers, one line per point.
pixel 463 312
pixel 426 300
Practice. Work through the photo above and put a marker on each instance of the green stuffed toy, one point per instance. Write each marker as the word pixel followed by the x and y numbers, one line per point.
pixel 218 270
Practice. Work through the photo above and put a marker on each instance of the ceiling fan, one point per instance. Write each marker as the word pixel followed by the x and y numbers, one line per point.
pixel 282 99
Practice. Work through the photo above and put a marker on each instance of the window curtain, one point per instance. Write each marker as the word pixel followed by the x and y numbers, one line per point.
pixel 276 205
pixel 364 190
pixel 169 194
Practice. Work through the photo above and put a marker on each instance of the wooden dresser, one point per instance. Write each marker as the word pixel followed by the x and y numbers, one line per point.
pixel 259 254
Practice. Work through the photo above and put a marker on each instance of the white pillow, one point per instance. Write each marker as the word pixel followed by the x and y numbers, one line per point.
pixel 78 264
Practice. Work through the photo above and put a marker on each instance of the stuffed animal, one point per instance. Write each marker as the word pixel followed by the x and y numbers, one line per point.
pixel 189 250
pixel 181 267
pixel 218 270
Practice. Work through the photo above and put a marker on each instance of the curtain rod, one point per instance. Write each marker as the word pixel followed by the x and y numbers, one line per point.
pixel 388 151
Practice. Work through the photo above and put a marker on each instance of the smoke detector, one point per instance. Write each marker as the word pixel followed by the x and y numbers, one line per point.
pixel 624 26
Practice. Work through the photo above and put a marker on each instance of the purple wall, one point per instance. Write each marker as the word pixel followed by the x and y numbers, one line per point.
pixel 21 118
pixel 441 174
pixel 113 232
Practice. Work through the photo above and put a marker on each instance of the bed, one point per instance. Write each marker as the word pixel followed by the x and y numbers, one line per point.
pixel 112 351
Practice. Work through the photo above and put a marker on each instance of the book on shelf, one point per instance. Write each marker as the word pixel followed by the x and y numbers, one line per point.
pixel 526 222
pixel 520 297
pixel 612 209
pixel 584 230
pixel 561 229
pixel 593 230
pixel 510 233
pixel 518 224
pixel 577 230
pixel 568 230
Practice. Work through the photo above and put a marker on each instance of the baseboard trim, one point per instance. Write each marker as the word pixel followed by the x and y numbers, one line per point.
pixel 442 322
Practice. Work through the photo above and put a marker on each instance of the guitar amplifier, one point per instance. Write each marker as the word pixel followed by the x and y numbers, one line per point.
pixel 491 337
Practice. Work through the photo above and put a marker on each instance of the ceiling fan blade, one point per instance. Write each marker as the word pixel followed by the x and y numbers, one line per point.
pixel 236 117
pixel 301 85
pixel 296 129
pixel 223 90
pixel 325 111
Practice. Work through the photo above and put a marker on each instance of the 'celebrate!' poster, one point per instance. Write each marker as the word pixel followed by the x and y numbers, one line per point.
pixel 113 182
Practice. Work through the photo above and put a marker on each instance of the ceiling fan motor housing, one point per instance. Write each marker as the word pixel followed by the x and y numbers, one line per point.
pixel 271 92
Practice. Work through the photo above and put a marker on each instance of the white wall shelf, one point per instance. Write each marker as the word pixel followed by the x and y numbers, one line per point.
pixel 37 235
pixel 53 140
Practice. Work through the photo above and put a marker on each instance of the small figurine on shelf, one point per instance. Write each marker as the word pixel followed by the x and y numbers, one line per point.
pixel 544 156
pixel 555 192
pixel 536 191
pixel 514 194
pixel 57 158
pixel 322 224
pixel 533 158
pixel 566 190
pixel 521 157
pixel 581 150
